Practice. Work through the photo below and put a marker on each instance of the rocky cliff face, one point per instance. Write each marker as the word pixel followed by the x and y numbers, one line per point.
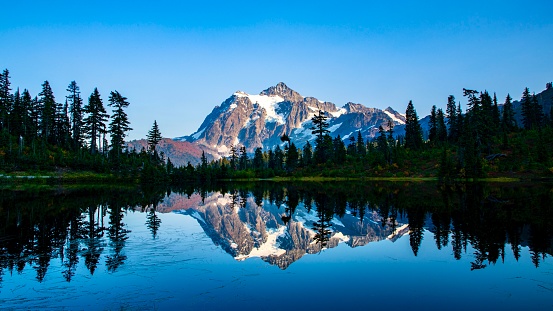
pixel 260 120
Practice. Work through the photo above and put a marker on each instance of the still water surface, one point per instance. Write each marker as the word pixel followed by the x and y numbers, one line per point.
pixel 274 247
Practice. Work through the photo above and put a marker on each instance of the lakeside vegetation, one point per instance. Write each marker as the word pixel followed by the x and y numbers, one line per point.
pixel 43 138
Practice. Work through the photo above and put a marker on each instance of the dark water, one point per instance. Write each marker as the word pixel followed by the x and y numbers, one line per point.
pixel 270 246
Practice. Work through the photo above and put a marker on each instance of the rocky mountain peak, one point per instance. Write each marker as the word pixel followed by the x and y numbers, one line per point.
pixel 283 91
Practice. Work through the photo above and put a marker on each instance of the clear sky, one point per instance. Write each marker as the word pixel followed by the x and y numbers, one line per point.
pixel 175 60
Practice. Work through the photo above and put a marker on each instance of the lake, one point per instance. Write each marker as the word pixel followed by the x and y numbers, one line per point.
pixel 274 246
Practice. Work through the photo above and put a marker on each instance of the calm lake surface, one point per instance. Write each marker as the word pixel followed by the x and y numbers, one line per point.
pixel 274 246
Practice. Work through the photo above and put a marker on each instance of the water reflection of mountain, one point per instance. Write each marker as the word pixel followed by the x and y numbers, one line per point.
pixel 264 230
pixel 282 224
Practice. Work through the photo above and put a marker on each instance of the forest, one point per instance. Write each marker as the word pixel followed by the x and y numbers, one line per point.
pixel 39 134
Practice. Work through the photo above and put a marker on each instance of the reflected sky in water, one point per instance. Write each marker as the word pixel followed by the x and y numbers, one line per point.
pixel 183 267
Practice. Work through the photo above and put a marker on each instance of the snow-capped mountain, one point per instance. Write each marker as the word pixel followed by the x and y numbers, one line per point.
pixel 260 120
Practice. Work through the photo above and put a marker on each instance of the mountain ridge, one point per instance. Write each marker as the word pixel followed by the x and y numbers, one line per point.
pixel 260 120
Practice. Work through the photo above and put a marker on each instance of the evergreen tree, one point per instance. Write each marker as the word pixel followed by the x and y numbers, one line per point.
pixel 203 163
pixel 495 114
pixel 153 137
pixel 76 115
pixel 441 129
pixel 5 99
pixel 258 162
pixel 452 117
pixel 119 124
pixel 62 128
pixel 339 150
pixel 537 111
pixel 17 115
pixel 361 150
pixel 352 146
pixel 243 161
pixel 320 128
pixel 279 158
pixel 271 160
pixel 508 122
pixel 532 112
pixel 392 150
pixel 47 113
pixel 233 157
pixel 292 158
pixel 432 133
pixel 94 122
pixel 307 154
pixel 382 143
pixel 413 130
pixel 33 127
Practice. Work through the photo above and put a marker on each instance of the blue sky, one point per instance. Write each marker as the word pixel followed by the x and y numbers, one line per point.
pixel 175 61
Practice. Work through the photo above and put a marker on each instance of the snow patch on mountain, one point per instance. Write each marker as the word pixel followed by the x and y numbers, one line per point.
pixel 198 134
pixel 268 103
pixel 334 127
pixel 337 114
pixel 393 117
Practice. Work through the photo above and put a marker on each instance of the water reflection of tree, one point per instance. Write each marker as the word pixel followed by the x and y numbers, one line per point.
pixel 325 212
pixel 94 231
pixel 76 233
pixel 37 228
pixel 117 235
pixel 153 222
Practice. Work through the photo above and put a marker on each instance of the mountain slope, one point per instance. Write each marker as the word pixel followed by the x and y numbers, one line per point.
pixel 260 120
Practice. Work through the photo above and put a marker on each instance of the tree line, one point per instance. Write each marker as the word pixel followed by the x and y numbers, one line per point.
pixel 39 133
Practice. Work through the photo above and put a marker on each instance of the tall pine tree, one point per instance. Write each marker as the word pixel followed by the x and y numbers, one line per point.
pixel 5 99
pixel 47 113
pixel 153 137
pixel 94 122
pixel 413 130
pixel 119 122
pixel 76 114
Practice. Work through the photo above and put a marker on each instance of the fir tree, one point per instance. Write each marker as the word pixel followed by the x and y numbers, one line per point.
pixel 292 157
pixel 279 158
pixel 307 154
pixel 243 161
pixel 17 115
pixel 320 128
pixel 508 122
pixel 94 122
pixel 47 113
pixel 382 143
pixel 532 112
pixel 76 114
pixel 5 99
pixel 413 131
pixel 495 114
pixel 433 125
pixel 451 114
pixel 441 129
pixel 258 162
pixel 153 137
pixel 339 150
pixel 119 124
pixel 361 150
pixel 233 157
